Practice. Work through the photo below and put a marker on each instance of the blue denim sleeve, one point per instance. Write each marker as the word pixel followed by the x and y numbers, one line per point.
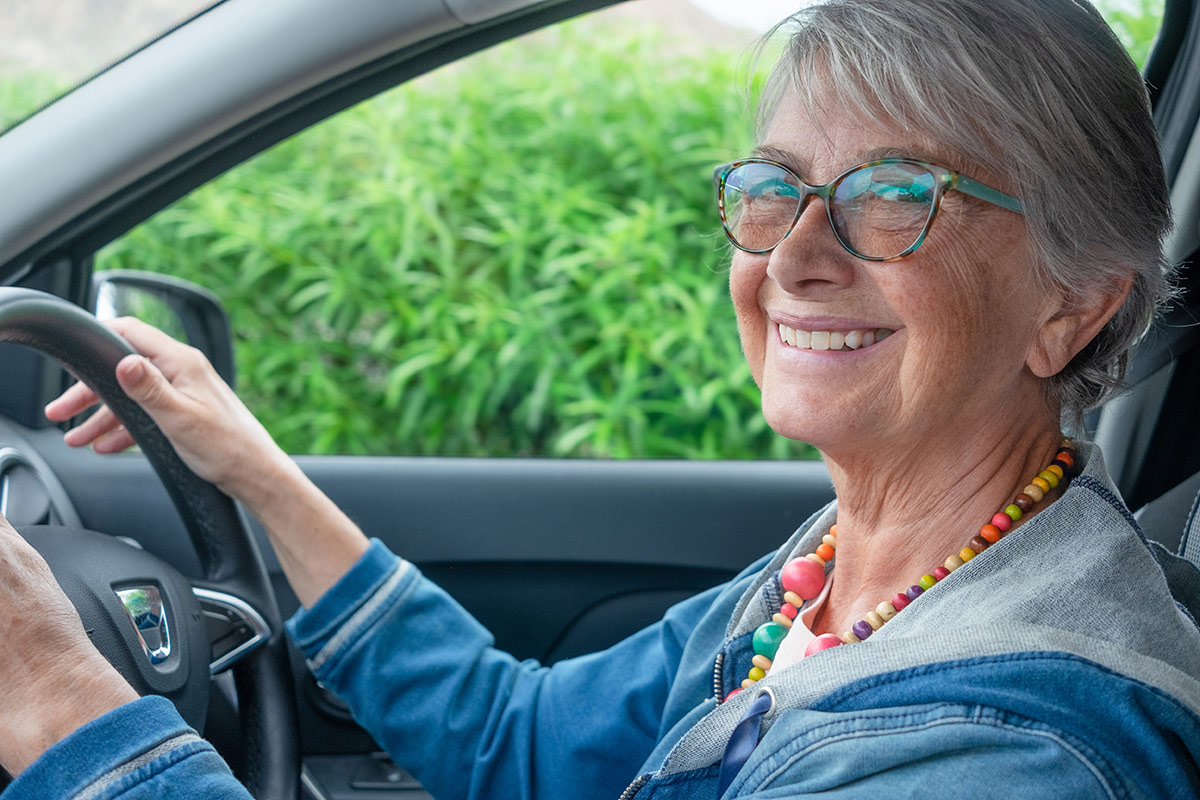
pixel 140 751
pixel 422 676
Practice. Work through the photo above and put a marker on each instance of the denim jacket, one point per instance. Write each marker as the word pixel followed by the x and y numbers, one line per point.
pixel 1055 664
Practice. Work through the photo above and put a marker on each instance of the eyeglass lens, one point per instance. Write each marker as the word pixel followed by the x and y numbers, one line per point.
pixel 878 211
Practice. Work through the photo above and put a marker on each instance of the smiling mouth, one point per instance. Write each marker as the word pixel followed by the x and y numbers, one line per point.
pixel 832 340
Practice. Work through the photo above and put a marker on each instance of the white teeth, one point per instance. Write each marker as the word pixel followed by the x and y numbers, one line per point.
pixel 832 340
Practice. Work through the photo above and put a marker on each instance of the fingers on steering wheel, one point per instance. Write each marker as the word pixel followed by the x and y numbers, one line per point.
pixel 100 424
pixel 115 442
pixel 170 355
pixel 73 401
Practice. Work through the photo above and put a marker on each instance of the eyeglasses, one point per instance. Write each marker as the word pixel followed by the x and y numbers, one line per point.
pixel 879 211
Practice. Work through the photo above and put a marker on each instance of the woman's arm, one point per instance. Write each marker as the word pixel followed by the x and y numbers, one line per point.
pixel 418 671
pixel 470 721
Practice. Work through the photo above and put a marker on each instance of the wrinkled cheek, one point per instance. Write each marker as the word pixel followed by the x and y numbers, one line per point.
pixel 744 286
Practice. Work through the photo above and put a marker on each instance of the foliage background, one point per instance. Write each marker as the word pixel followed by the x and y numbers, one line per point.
pixel 516 256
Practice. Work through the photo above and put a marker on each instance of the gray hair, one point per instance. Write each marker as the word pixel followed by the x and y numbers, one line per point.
pixel 1040 93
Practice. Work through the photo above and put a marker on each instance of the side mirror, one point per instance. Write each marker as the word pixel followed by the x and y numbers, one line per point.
pixel 182 309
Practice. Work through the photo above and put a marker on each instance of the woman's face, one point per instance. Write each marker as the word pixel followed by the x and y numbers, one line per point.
pixel 958 315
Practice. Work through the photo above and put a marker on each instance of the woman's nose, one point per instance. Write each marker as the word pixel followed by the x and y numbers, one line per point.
pixel 810 256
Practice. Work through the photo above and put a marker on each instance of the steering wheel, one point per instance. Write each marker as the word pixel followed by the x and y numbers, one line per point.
pixel 150 621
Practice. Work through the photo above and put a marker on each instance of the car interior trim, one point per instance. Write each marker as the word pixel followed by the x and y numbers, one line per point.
pixel 119 143
pixel 242 611
pixel 60 502
pixel 309 784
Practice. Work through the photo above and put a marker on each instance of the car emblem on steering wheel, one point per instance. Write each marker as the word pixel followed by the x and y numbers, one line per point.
pixel 144 605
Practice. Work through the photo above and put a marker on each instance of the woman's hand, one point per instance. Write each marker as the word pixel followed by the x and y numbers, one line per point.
pixel 210 428
pixel 52 678
pixel 218 437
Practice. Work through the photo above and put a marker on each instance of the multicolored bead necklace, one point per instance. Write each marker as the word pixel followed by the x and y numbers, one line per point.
pixel 804 578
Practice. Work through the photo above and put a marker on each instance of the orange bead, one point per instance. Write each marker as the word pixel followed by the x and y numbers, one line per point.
pixel 1041 483
pixel 833 530
pixel 1066 458
pixel 825 552
pixel 991 533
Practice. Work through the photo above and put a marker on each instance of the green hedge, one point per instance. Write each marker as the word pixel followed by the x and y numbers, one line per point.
pixel 518 256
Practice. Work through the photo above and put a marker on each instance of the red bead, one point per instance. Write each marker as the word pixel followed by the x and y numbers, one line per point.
pixel 822 642
pixel 789 610
pixel 940 573
pixel 900 601
pixel 731 694
pixel 1002 521
pixel 1023 501
pixel 803 577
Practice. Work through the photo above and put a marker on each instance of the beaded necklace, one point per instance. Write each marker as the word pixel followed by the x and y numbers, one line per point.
pixel 803 579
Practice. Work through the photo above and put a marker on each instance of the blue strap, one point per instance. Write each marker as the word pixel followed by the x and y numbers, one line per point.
pixel 742 742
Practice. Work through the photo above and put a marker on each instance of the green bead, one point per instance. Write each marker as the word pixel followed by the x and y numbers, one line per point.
pixel 756 674
pixel 1049 477
pixel 1013 511
pixel 767 639
pixel 927 582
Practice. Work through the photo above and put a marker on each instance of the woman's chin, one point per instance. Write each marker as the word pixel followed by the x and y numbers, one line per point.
pixel 818 427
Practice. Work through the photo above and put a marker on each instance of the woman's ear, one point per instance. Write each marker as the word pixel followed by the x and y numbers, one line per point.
pixel 1076 323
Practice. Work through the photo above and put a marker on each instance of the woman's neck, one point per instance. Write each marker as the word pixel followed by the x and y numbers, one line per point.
pixel 900 517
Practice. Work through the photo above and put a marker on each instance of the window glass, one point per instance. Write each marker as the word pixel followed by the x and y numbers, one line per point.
pixel 517 255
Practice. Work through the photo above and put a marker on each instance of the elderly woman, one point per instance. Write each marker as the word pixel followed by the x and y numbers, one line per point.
pixel 946 241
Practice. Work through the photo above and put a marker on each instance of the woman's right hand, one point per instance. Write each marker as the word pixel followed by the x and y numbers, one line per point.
pixel 211 429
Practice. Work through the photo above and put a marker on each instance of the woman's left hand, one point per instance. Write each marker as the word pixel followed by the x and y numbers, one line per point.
pixel 52 678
